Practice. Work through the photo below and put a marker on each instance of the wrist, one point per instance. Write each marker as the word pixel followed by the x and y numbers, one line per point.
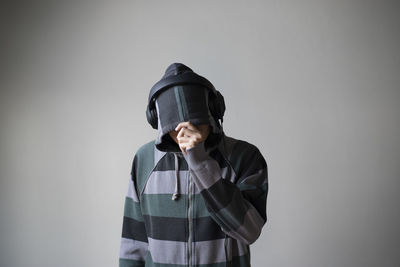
pixel 196 155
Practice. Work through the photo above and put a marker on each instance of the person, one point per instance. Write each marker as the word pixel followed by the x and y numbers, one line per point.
pixel 195 195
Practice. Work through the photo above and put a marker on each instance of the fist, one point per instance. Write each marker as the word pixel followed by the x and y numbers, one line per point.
pixel 186 135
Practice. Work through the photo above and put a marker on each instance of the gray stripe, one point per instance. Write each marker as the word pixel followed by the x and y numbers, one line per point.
pixel 163 182
pixel 207 176
pixel 227 173
pixel 159 131
pixel 178 102
pixel 165 251
pixel 174 252
pixel 158 154
pixel 145 164
pixel 250 230
pixel 132 249
pixel 239 248
pixel 209 251
pixel 232 215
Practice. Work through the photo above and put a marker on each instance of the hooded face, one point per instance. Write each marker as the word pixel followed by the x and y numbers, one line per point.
pixel 184 103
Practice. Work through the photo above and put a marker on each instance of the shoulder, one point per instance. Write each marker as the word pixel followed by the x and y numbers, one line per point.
pixel 240 149
pixel 143 163
pixel 243 155
pixel 143 155
pixel 147 147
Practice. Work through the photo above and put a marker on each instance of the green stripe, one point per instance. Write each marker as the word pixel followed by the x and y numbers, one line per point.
pixel 265 187
pixel 145 163
pixel 130 263
pixel 184 104
pixel 200 209
pixel 247 187
pixel 178 101
pixel 132 209
pixel 163 205
pixel 240 154
pixel 254 190
pixel 244 186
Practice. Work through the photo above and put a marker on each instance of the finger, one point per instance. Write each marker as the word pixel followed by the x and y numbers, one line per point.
pixel 181 133
pixel 186 124
pixel 183 139
pixel 187 132
pixel 189 139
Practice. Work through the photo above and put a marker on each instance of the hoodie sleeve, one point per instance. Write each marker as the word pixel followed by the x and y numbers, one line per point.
pixel 134 243
pixel 238 208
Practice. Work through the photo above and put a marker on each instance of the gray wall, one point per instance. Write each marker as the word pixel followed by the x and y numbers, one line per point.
pixel 314 84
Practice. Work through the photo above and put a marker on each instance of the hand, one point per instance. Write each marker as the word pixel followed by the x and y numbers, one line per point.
pixel 190 135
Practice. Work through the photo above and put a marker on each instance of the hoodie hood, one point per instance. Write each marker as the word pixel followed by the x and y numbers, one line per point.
pixel 184 102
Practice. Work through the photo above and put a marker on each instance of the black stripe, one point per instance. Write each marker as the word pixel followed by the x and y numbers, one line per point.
pixel 169 228
pixel 167 163
pixel 134 229
pixel 261 205
pixel 207 229
pixel 134 165
pixel 165 228
pixel 253 194
pixel 225 191
pixel 246 159
pixel 216 154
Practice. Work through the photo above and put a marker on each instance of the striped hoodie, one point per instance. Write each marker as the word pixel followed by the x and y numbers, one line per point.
pixel 204 208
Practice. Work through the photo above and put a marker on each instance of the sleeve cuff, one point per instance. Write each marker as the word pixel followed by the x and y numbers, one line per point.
pixel 205 169
pixel 196 156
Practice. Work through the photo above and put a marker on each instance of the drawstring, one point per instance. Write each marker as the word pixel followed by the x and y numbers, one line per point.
pixel 176 193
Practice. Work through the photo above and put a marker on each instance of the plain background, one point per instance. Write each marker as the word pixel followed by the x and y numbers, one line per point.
pixel 313 84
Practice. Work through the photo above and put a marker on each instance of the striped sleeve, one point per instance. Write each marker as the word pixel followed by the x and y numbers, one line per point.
pixel 134 243
pixel 238 208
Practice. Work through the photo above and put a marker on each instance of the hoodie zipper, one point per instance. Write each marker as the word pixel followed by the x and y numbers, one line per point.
pixel 190 219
